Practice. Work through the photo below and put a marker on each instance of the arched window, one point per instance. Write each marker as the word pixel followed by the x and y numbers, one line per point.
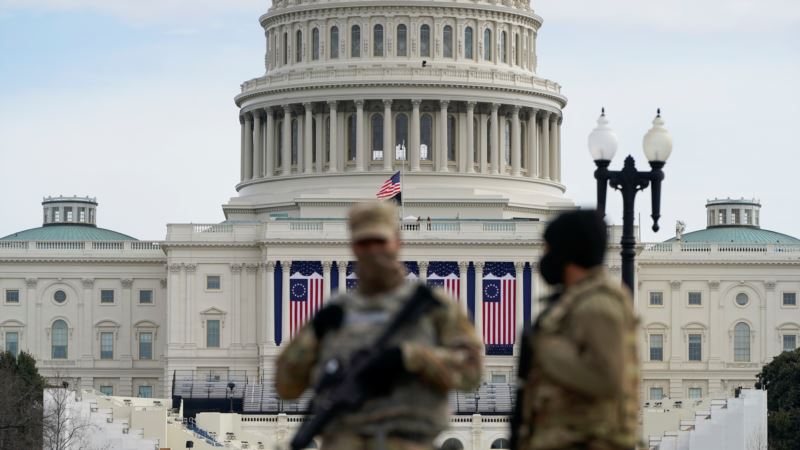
pixel 298 46
pixel 452 444
pixel 447 38
pixel 315 44
pixel 59 335
pixel 351 137
pixel 355 41
pixel 377 40
pixel 401 135
pixel 468 43
pixel 451 138
pixel 377 137
pixel 503 47
pixel 425 40
pixel 402 40
pixel 487 44
pixel 506 143
pixel 334 42
pixel 741 342
pixel 501 444
pixel 295 136
pixel 285 48
pixel 279 135
pixel 426 137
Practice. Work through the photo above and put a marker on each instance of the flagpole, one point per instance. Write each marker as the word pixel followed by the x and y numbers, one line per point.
pixel 402 185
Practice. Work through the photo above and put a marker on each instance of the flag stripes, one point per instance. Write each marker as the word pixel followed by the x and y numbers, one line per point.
pixel 499 304
pixel 390 187
pixel 306 290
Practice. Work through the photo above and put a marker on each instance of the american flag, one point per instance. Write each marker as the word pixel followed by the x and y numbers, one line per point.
pixel 444 274
pixel 305 293
pixel 390 187
pixel 412 271
pixel 351 280
pixel 499 304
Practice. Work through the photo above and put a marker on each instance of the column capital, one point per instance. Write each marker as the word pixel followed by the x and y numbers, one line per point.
pixel 309 106
pixel 287 109
pixel 190 268
pixel 462 267
pixel 713 285
pixel 268 265
pixel 515 110
pixel 359 103
pixel 175 267
pixel 236 268
pixel 342 265
pixel 87 282
pixel 534 266
pixel 333 104
pixel 770 285
pixel 495 107
pixel 478 265
pixel 443 104
pixel 519 265
pixel 326 265
pixel 126 282
pixel 675 284
pixel 387 103
pixel 422 264
pixel 555 117
pixel 248 116
pixel 471 105
pixel 545 114
pixel 415 102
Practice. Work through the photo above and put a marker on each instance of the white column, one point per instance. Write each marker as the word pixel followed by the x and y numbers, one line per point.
pixel 495 140
pixel 479 298
pixel 236 302
pixel 483 164
pixel 388 148
pixel 533 144
pixel 333 164
pixel 678 344
pixel 545 148
pixel 286 151
pixel 326 280
pixel 173 305
pixel 441 153
pixel 423 271
pixel 462 284
pixel 269 147
pixel 359 135
pixel 286 267
pixel 519 268
pixel 268 303
pixel 320 153
pixel 257 145
pixel 248 147
pixel 470 148
pixel 554 147
pixel 558 149
pixel 84 320
pixel 308 139
pixel 516 130
pixel 342 268
pixel 189 292
pixel 413 149
pixel 242 155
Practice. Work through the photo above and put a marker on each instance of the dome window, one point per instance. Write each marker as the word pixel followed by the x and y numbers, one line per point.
pixel 402 40
pixel 425 40
pixel 468 43
pixel 742 299
pixel 334 42
pixel 447 37
pixel 355 41
pixel 59 296
pixel 487 44
pixel 377 40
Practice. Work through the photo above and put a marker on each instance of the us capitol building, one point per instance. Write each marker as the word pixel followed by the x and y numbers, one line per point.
pixel 447 93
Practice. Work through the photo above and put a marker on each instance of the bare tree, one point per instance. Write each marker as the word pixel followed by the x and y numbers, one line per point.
pixel 757 440
pixel 64 426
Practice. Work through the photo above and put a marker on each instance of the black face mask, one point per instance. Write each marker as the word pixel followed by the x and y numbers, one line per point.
pixel 551 268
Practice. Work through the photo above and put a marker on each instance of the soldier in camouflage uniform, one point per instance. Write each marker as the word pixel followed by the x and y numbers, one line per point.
pixel 409 384
pixel 579 366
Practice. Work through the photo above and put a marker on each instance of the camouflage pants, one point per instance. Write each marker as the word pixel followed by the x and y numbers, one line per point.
pixel 593 446
pixel 351 441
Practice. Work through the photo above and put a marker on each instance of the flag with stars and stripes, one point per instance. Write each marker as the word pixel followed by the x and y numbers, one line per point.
pixel 445 275
pixel 412 271
pixel 390 188
pixel 351 279
pixel 499 303
pixel 305 293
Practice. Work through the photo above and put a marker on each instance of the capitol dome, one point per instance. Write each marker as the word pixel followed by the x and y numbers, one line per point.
pixel 446 92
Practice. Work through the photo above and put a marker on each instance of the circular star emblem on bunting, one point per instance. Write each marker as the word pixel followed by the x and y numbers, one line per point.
pixel 491 291
pixel 298 290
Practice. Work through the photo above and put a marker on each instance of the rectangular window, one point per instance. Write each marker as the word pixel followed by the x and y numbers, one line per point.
pixel 789 342
pixel 106 345
pixel 145 391
pixel 12 296
pixel 656 393
pixel 789 299
pixel 212 333
pixel 146 345
pixel 106 296
pixel 735 218
pixel 695 347
pixel 107 390
pixel 656 347
pixel 68 214
pixel 695 298
pixel 499 378
pixel 12 342
pixel 695 393
pixel 146 297
pixel 212 282
pixel 656 299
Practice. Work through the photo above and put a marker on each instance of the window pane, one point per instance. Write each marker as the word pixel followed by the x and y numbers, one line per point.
pixel 447 37
pixel 503 50
pixel 285 48
pixel 402 40
pixel 295 141
pixel 334 42
pixel 12 296
pixel 400 134
pixel 146 296
pixel 377 40
pixel 351 137
pixel 212 282
pixel 468 43
pixel 107 390
pixel 146 345
pixel 789 299
pixel 425 40
pixel 145 391
pixel 451 138
pixel 741 342
pixel 377 137
pixel 695 393
pixel 425 137
pixel 12 342
pixel 656 393
pixel 106 345
pixel 355 41
pixel 656 347
pixel 106 296
pixel 695 347
pixel 315 44
pixel 212 334
pixel 59 339
pixel 789 342
pixel 487 44
pixel 298 46
pixel 656 298
pixel 695 298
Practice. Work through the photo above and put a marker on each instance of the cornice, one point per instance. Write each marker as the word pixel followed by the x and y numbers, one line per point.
pixel 83 260
pixel 407 242
pixel 727 262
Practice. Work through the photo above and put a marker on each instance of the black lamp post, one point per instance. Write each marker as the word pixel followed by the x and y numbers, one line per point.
pixel 629 181
pixel 231 387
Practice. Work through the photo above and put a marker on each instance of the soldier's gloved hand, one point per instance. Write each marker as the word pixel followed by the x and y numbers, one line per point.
pixel 380 376
pixel 327 319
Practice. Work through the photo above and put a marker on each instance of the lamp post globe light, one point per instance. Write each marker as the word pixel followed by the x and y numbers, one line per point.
pixel 657 144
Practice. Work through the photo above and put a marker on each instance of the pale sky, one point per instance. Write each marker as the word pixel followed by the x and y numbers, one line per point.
pixel 131 101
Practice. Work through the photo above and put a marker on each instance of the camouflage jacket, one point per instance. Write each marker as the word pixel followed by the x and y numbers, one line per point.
pixel 583 382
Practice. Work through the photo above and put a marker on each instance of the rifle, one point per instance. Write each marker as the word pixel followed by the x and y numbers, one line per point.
pixel 346 391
